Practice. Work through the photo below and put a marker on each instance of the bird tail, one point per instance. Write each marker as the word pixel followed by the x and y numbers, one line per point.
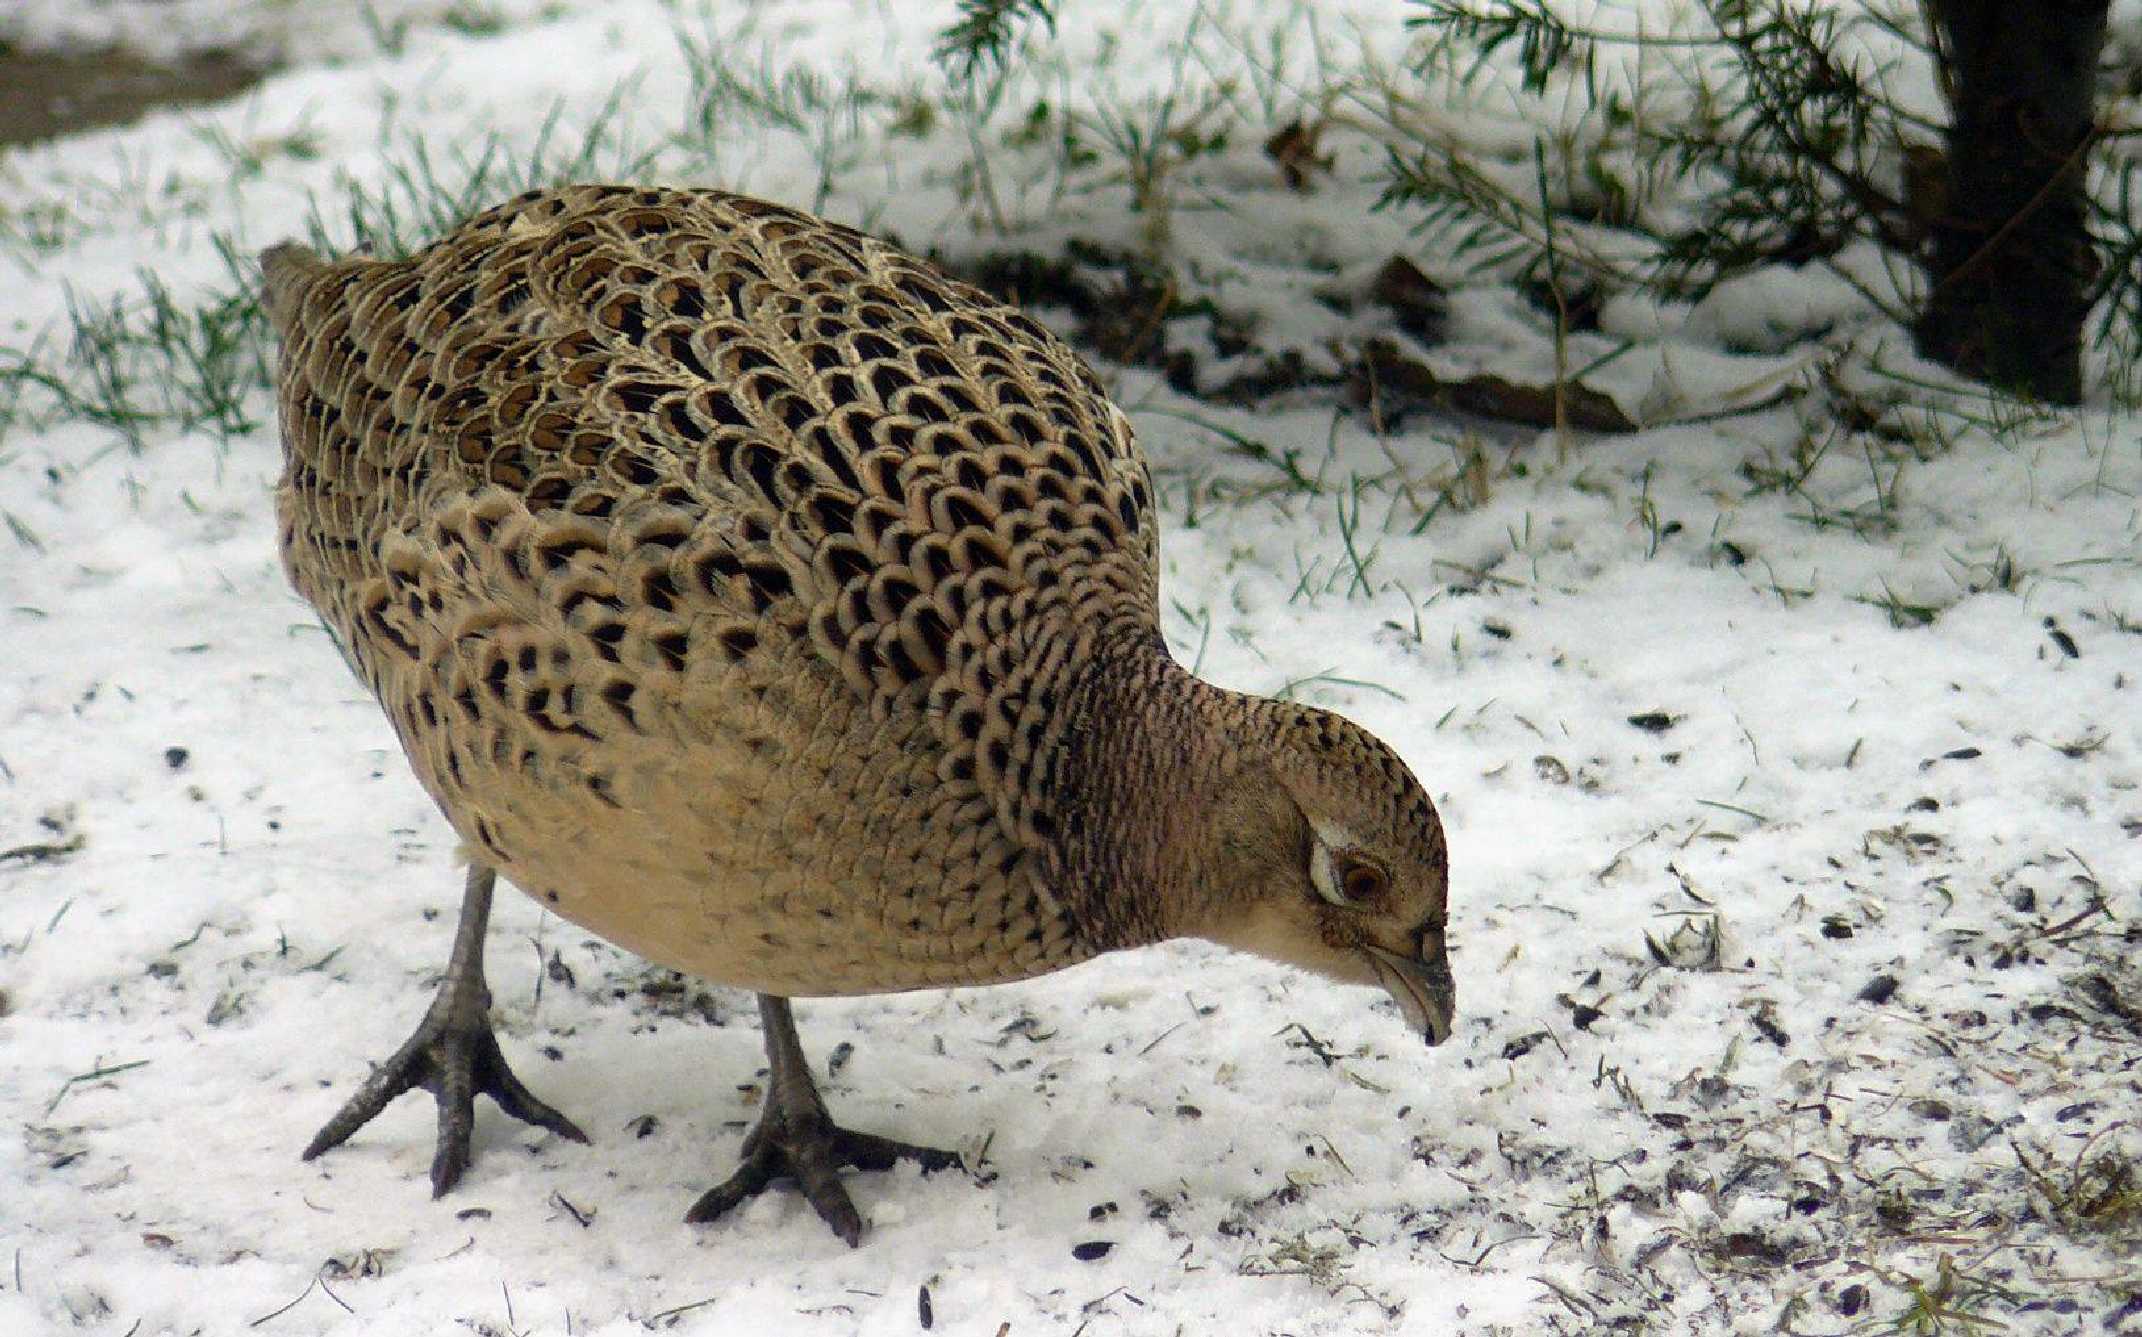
pixel 284 271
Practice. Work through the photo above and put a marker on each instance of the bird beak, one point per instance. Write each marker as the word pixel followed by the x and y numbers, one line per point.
pixel 1422 989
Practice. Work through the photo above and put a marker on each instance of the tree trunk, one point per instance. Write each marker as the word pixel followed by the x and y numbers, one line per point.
pixel 2012 260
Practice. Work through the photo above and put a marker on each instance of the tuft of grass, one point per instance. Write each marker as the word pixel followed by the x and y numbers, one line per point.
pixel 2099 1190
pixel 1286 463
pixel 1952 1301
pixel 473 19
pixel 1291 689
pixel 155 360
pixel 1149 143
pixel 1348 573
pixel 249 155
pixel 735 76
pixel 1996 571
pixel 1357 561
pixel 213 355
pixel 1202 620
pixel 1904 615
pixel 390 37
pixel 423 191
pixel 30 232
pixel 102 1072
pixel 137 365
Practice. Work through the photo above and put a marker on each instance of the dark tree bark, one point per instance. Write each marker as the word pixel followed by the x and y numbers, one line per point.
pixel 2012 259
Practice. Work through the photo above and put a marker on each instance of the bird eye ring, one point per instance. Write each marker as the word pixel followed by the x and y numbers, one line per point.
pixel 1362 883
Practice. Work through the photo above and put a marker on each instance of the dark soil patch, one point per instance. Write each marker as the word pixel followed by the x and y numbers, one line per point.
pixel 1123 304
pixel 1128 310
pixel 44 94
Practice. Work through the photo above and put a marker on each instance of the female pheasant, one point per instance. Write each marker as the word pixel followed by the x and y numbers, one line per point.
pixel 767 602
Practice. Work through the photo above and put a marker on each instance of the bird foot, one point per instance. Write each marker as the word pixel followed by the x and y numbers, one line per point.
pixel 808 1147
pixel 455 1056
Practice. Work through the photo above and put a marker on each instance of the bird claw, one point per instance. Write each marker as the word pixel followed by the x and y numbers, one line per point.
pixel 812 1150
pixel 456 1060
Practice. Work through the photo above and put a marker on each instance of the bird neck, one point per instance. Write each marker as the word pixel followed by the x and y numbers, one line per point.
pixel 1155 792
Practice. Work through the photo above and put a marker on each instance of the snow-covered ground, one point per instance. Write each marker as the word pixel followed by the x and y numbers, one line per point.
pixel 1790 760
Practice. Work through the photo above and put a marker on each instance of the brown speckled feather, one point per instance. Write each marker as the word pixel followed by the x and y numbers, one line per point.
pixel 639 503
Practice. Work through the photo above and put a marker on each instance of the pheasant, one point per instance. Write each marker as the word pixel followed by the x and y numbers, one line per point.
pixel 785 611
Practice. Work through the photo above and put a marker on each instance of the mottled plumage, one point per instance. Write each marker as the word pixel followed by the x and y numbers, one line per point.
pixel 785 611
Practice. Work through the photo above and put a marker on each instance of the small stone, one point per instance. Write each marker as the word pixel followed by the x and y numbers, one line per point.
pixel 1522 1045
pixel 1092 1250
pixel 1879 990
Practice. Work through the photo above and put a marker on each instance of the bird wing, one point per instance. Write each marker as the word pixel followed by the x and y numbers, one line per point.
pixel 674 424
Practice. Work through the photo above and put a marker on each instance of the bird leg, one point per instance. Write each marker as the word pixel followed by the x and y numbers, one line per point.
pixel 795 1138
pixel 453 1054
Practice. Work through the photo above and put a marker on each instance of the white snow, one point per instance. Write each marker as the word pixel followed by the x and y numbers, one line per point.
pixel 1714 1130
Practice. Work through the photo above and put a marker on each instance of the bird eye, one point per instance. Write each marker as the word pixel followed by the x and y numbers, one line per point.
pixel 1363 882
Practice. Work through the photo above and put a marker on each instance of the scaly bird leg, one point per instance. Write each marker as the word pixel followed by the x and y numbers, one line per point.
pixel 453 1054
pixel 796 1139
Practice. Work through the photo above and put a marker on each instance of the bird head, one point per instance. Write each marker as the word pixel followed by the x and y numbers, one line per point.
pixel 1333 860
